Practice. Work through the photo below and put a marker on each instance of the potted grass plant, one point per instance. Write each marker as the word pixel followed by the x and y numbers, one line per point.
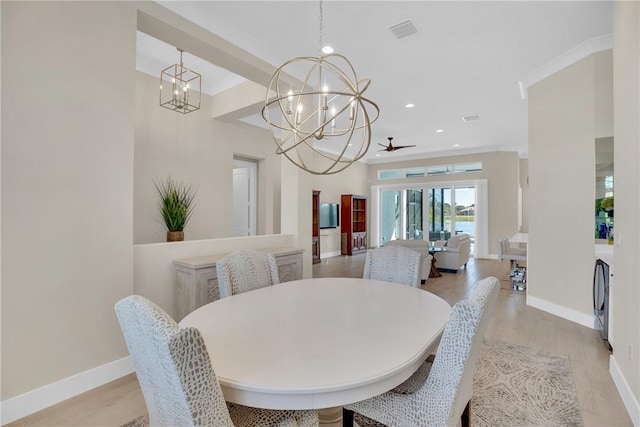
pixel 176 206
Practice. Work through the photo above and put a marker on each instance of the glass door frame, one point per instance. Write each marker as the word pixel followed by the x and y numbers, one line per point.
pixel 426 187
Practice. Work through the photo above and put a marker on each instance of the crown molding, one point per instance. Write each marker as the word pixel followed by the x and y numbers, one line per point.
pixel 581 51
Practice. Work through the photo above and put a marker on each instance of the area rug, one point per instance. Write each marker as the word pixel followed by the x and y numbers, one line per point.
pixel 513 386
pixel 521 386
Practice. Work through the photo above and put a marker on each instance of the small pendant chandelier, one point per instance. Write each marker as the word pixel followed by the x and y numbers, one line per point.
pixel 323 126
pixel 180 88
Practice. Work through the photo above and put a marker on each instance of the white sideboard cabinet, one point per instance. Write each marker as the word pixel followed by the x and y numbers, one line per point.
pixel 197 280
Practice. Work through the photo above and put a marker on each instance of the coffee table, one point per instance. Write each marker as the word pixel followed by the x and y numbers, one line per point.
pixel 432 250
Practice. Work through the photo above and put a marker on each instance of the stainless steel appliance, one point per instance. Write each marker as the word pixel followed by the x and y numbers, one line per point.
pixel 601 298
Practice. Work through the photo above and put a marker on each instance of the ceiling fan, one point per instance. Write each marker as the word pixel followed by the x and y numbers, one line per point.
pixel 392 147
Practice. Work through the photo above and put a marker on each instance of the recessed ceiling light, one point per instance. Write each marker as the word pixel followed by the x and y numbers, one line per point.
pixel 377 155
pixel 456 145
pixel 327 50
pixel 350 144
pixel 439 130
pixel 470 118
pixel 410 105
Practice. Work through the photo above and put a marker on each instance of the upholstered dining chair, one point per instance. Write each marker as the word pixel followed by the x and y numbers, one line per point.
pixel 506 251
pixel 484 295
pixel 517 273
pixel 443 398
pixel 179 385
pixel 245 270
pixel 395 264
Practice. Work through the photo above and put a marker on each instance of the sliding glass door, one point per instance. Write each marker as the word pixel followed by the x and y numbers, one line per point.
pixel 428 213
pixel 414 225
pixel 439 213
pixel 451 211
pixel 401 215
pixel 390 215
pixel 465 212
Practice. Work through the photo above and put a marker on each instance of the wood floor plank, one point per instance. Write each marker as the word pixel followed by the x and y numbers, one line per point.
pixel 120 401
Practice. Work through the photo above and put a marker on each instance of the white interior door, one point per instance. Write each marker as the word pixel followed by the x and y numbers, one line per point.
pixel 244 198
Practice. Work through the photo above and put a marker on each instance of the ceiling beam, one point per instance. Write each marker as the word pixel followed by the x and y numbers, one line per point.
pixel 240 101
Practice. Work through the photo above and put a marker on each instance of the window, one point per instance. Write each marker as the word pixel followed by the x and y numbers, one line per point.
pixel 468 167
pixel 608 186
pixel 439 170
pixel 390 174
pixel 430 171
pixel 412 173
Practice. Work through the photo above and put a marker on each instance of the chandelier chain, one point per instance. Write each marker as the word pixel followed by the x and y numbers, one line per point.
pixel 320 32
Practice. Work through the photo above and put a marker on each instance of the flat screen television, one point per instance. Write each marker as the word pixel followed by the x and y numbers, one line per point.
pixel 329 215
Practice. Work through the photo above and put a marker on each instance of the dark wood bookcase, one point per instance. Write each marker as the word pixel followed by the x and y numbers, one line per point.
pixel 315 234
pixel 353 212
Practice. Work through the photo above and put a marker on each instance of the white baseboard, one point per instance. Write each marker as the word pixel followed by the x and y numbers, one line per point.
pixel 330 254
pixel 560 311
pixel 630 401
pixel 33 401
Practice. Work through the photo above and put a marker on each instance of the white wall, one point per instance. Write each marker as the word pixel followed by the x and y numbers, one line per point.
pixel 562 114
pixel 500 169
pixel 67 187
pixel 603 94
pixel 199 150
pixel 626 297
pixel 524 186
pixel 68 191
pixel 296 201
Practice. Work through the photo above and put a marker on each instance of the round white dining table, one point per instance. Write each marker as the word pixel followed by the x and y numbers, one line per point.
pixel 318 343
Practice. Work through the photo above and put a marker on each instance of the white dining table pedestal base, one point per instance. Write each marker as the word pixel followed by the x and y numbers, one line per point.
pixel 330 417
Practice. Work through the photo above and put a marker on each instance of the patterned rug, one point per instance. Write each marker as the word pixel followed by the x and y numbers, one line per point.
pixel 520 386
pixel 513 386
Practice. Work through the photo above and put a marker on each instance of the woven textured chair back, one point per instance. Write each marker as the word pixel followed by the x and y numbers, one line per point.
pixel 395 264
pixel 246 270
pixel 173 367
pixel 484 296
pixel 455 361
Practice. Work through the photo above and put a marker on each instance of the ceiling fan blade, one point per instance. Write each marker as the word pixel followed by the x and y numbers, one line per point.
pixel 391 147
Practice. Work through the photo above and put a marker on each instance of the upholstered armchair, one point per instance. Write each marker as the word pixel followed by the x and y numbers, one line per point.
pixel 456 254
pixel 421 246
pixel 177 380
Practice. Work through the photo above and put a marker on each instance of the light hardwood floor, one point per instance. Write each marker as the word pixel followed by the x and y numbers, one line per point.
pixel 121 401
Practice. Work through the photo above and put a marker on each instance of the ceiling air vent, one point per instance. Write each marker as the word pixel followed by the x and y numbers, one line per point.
pixel 470 118
pixel 403 29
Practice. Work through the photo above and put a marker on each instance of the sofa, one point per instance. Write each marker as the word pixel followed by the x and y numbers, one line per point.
pixel 421 246
pixel 456 254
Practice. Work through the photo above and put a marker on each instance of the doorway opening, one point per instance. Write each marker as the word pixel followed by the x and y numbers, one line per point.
pixel 245 204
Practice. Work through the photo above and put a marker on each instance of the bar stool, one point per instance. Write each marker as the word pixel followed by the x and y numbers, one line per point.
pixel 518 273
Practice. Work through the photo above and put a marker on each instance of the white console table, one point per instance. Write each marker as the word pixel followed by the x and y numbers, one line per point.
pixel 197 280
